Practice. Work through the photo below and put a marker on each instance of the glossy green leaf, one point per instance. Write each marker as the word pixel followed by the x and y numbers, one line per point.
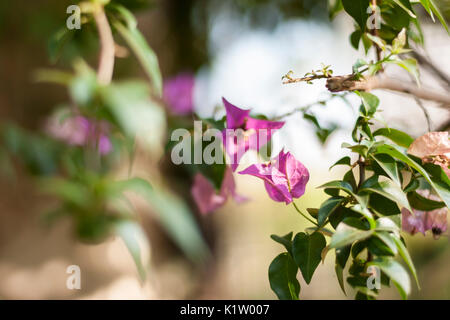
pixel 389 165
pixel 346 161
pixel 285 240
pixel 370 102
pixel 389 190
pixel 405 5
pixel 424 204
pixel 396 272
pixel 342 255
pixel 306 250
pixel 358 10
pixel 346 235
pixel 340 276
pixel 397 136
pixel 443 191
pixel 283 277
pixel 406 257
pixel 327 208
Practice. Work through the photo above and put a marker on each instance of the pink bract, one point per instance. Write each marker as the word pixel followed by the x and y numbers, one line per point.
pixel 284 177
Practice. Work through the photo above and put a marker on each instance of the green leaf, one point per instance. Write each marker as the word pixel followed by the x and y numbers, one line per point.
pixel 389 165
pixel 346 235
pixel 340 276
pixel 443 191
pixel 405 5
pixel 389 190
pixel 387 224
pixel 143 52
pixel 396 272
pixel 343 161
pixel 340 185
pixel 438 14
pixel 321 132
pixel 175 217
pixel 383 205
pixel 135 113
pixel 397 136
pixel 307 251
pixel 409 65
pixel 355 38
pixel 334 7
pixel 136 242
pixel 431 8
pixel 285 240
pixel 388 239
pixel 423 204
pixel 358 10
pixel 378 248
pixel 370 102
pixel 413 185
pixel 283 277
pixel 327 208
pixel 342 255
pixel 406 257
pixel 365 213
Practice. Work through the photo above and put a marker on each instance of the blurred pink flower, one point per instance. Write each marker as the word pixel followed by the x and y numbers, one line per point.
pixel 179 93
pixel 285 177
pixel 206 196
pixel 80 131
pixel 433 147
pixel 435 220
pixel 256 132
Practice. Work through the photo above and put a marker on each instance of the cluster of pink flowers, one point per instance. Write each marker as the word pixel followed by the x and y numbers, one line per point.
pixel 422 221
pixel 432 147
pixel 81 131
pixel 285 177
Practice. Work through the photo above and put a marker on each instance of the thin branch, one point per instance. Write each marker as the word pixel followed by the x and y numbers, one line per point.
pixel 424 109
pixel 425 112
pixel 350 83
pixel 445 126
pixel 304 79
pixel 107 50
pixel 430 65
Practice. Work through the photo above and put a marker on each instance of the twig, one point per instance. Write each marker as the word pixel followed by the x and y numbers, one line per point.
pixel 308 106
pixel 107 50
pixel 425 112
pixel 445 126
pixel 350 83
pixel 305 79
pixel 427 63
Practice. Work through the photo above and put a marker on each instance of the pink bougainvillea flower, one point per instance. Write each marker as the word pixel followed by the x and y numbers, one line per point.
pixel 413 224
pixel 80 131
pixel 244 132
pixel 208 199
pixel 422 221
pixel 285 177
pixel 433 147
pixel 179 93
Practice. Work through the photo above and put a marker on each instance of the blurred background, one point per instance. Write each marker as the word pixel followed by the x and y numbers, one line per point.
pixel 238 49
